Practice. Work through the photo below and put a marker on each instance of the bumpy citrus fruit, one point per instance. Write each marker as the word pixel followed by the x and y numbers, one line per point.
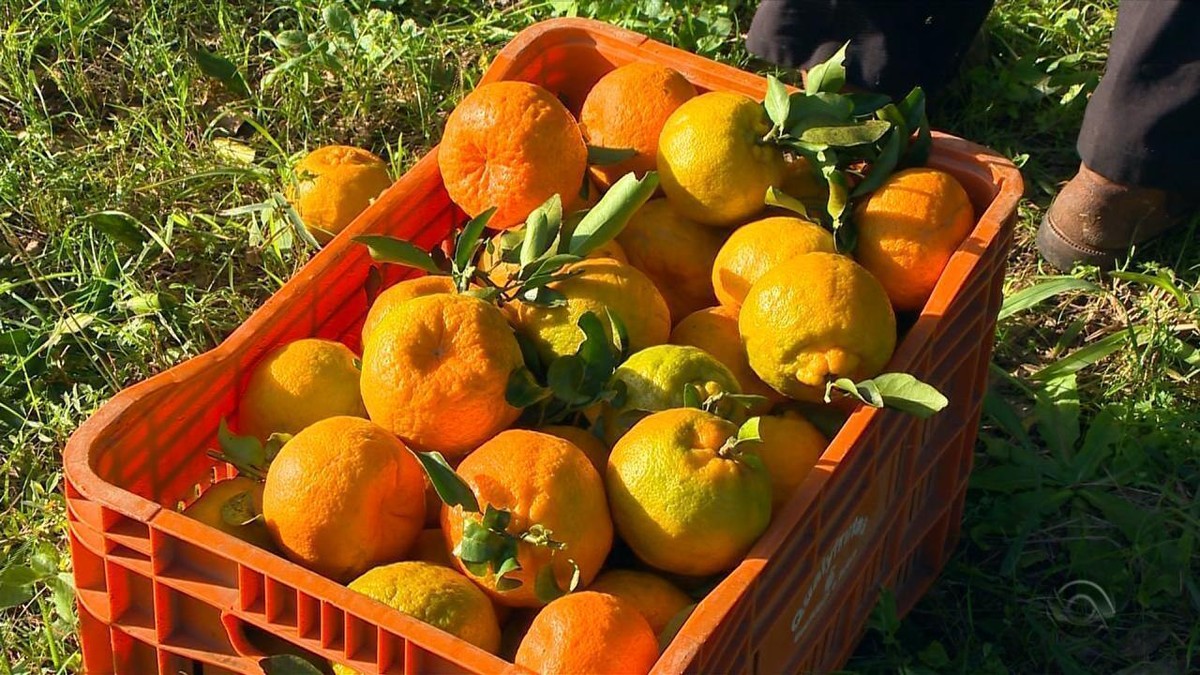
pixel 588 633
pixel 402 292
pixel 715 330
pixel 500 272
pixel 712 162
pixel 333 185
pixel 681 499
pixel 676 253
pixel 436 595
pixel 653 596
pixel 594 448
pixel 815 317
pixel 627 109
pixel 511 145
pixel 790 448
pixel 300 383
pixel 343 496
pixel 601 286
pixel 435 371
pixel 753 249
pixel 541 480
pixel 908 229
pixel 211 509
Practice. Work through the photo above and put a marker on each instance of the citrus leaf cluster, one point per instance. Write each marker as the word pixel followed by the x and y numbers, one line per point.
pixel 250 457
pixel 899 391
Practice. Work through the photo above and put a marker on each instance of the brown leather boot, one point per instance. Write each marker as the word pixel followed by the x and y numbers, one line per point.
pixel 1095 221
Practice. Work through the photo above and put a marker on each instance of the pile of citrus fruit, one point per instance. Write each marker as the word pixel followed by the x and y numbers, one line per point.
pixel 599 395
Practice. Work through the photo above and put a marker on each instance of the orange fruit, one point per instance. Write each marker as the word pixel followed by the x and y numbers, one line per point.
pixel 712 163
pixel 602 286
pixel 588 633
pixel 790 448
pixel 297 384
pixel 627 109
pixel 682 500
pixel 594 448
pixel 815 317
pixel 435 371
pixel 343 496
pixel 541 480
pixel 800 182
pixel 653 596
pixel 430 547
pixel 753 249
pixel 402 292
pixel 676 253
pixel 210 508
pixel 907 230
pixel 333 185
pixel 511 145
pixel 715 330
pixel 435 595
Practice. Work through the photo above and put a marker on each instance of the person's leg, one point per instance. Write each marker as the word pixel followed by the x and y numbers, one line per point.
pixel 894 45
pixel 1138 141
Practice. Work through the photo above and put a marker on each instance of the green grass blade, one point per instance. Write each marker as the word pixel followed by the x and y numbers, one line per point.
pixel 1032 296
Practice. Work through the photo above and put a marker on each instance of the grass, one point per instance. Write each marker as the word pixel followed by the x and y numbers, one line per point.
pixel 120 161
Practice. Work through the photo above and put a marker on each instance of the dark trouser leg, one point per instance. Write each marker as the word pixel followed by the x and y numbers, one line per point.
pixel 894 44
pixel 1142 126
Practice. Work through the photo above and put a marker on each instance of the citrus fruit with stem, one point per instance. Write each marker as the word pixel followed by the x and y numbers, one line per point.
pixel 435 371
pixel 654 597
pixel 789 449
pixel 234 506
pixel 626 109
pixel 813 318
pixel 588 633
pixel 297 384
pixel 753 249
pixel 714 165
pixel 907 230
pixel 715 330
pixel 686 495
pixel 343 496
pixel 333 184
pixel 510 145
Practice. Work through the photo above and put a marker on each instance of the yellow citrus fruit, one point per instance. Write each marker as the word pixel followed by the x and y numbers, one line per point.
pixel 594 448
pixel 500 272
pixel 511 145
pixel 715 330
pixel 756 247
pixel 541 480
pixel 815 317
pixel 790 448
pixel 676 253
pixel 681 499
pixel 333 185
pixel 402 292
pixel 627 109
pixel 800 182
pixel 588 633
pixel 300 383
pixel 435 595
pixel 601 286
pixel 211 508
pixel 343 496
pixel 908 229
pixel 435 371
pixel 653 596
pixel 712 163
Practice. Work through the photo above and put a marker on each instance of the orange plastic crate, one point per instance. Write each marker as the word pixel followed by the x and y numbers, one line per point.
pixel 159 592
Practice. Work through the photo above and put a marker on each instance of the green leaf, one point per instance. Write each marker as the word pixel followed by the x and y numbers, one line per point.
pixel 547 266
pixel 1162 279
pixel 806 111
pixel 244 452
pixel 238 510
pixel 545 297
pixel 1086 356
pixel 488 294
pixel 221 69
pixel 392 250
pixel 119 226
pixel 866 103
pixel 829 76
pixel 749 431
pixel 883 165
pixel 469 240
pixel 450 487
pixel 540 227
pixel 906 393
pixel 600 357
pixel 865 391
pixel 691 396
pixel 287 664
pixel 777 102
pixel 1034 295
pixel 18 575
pixel 545 585
pixel 15 342
pixel 780 199
pixel 495 519
pixel 912 107
pixel 338 19
pixel 610 215
pixel 14 595
pixel 846 136
pixel 620 335
pixel 507 566
pixel 523 389
pixel 598 156
pixel 565 377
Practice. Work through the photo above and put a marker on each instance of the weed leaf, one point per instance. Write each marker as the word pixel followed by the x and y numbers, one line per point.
pixel 222 70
